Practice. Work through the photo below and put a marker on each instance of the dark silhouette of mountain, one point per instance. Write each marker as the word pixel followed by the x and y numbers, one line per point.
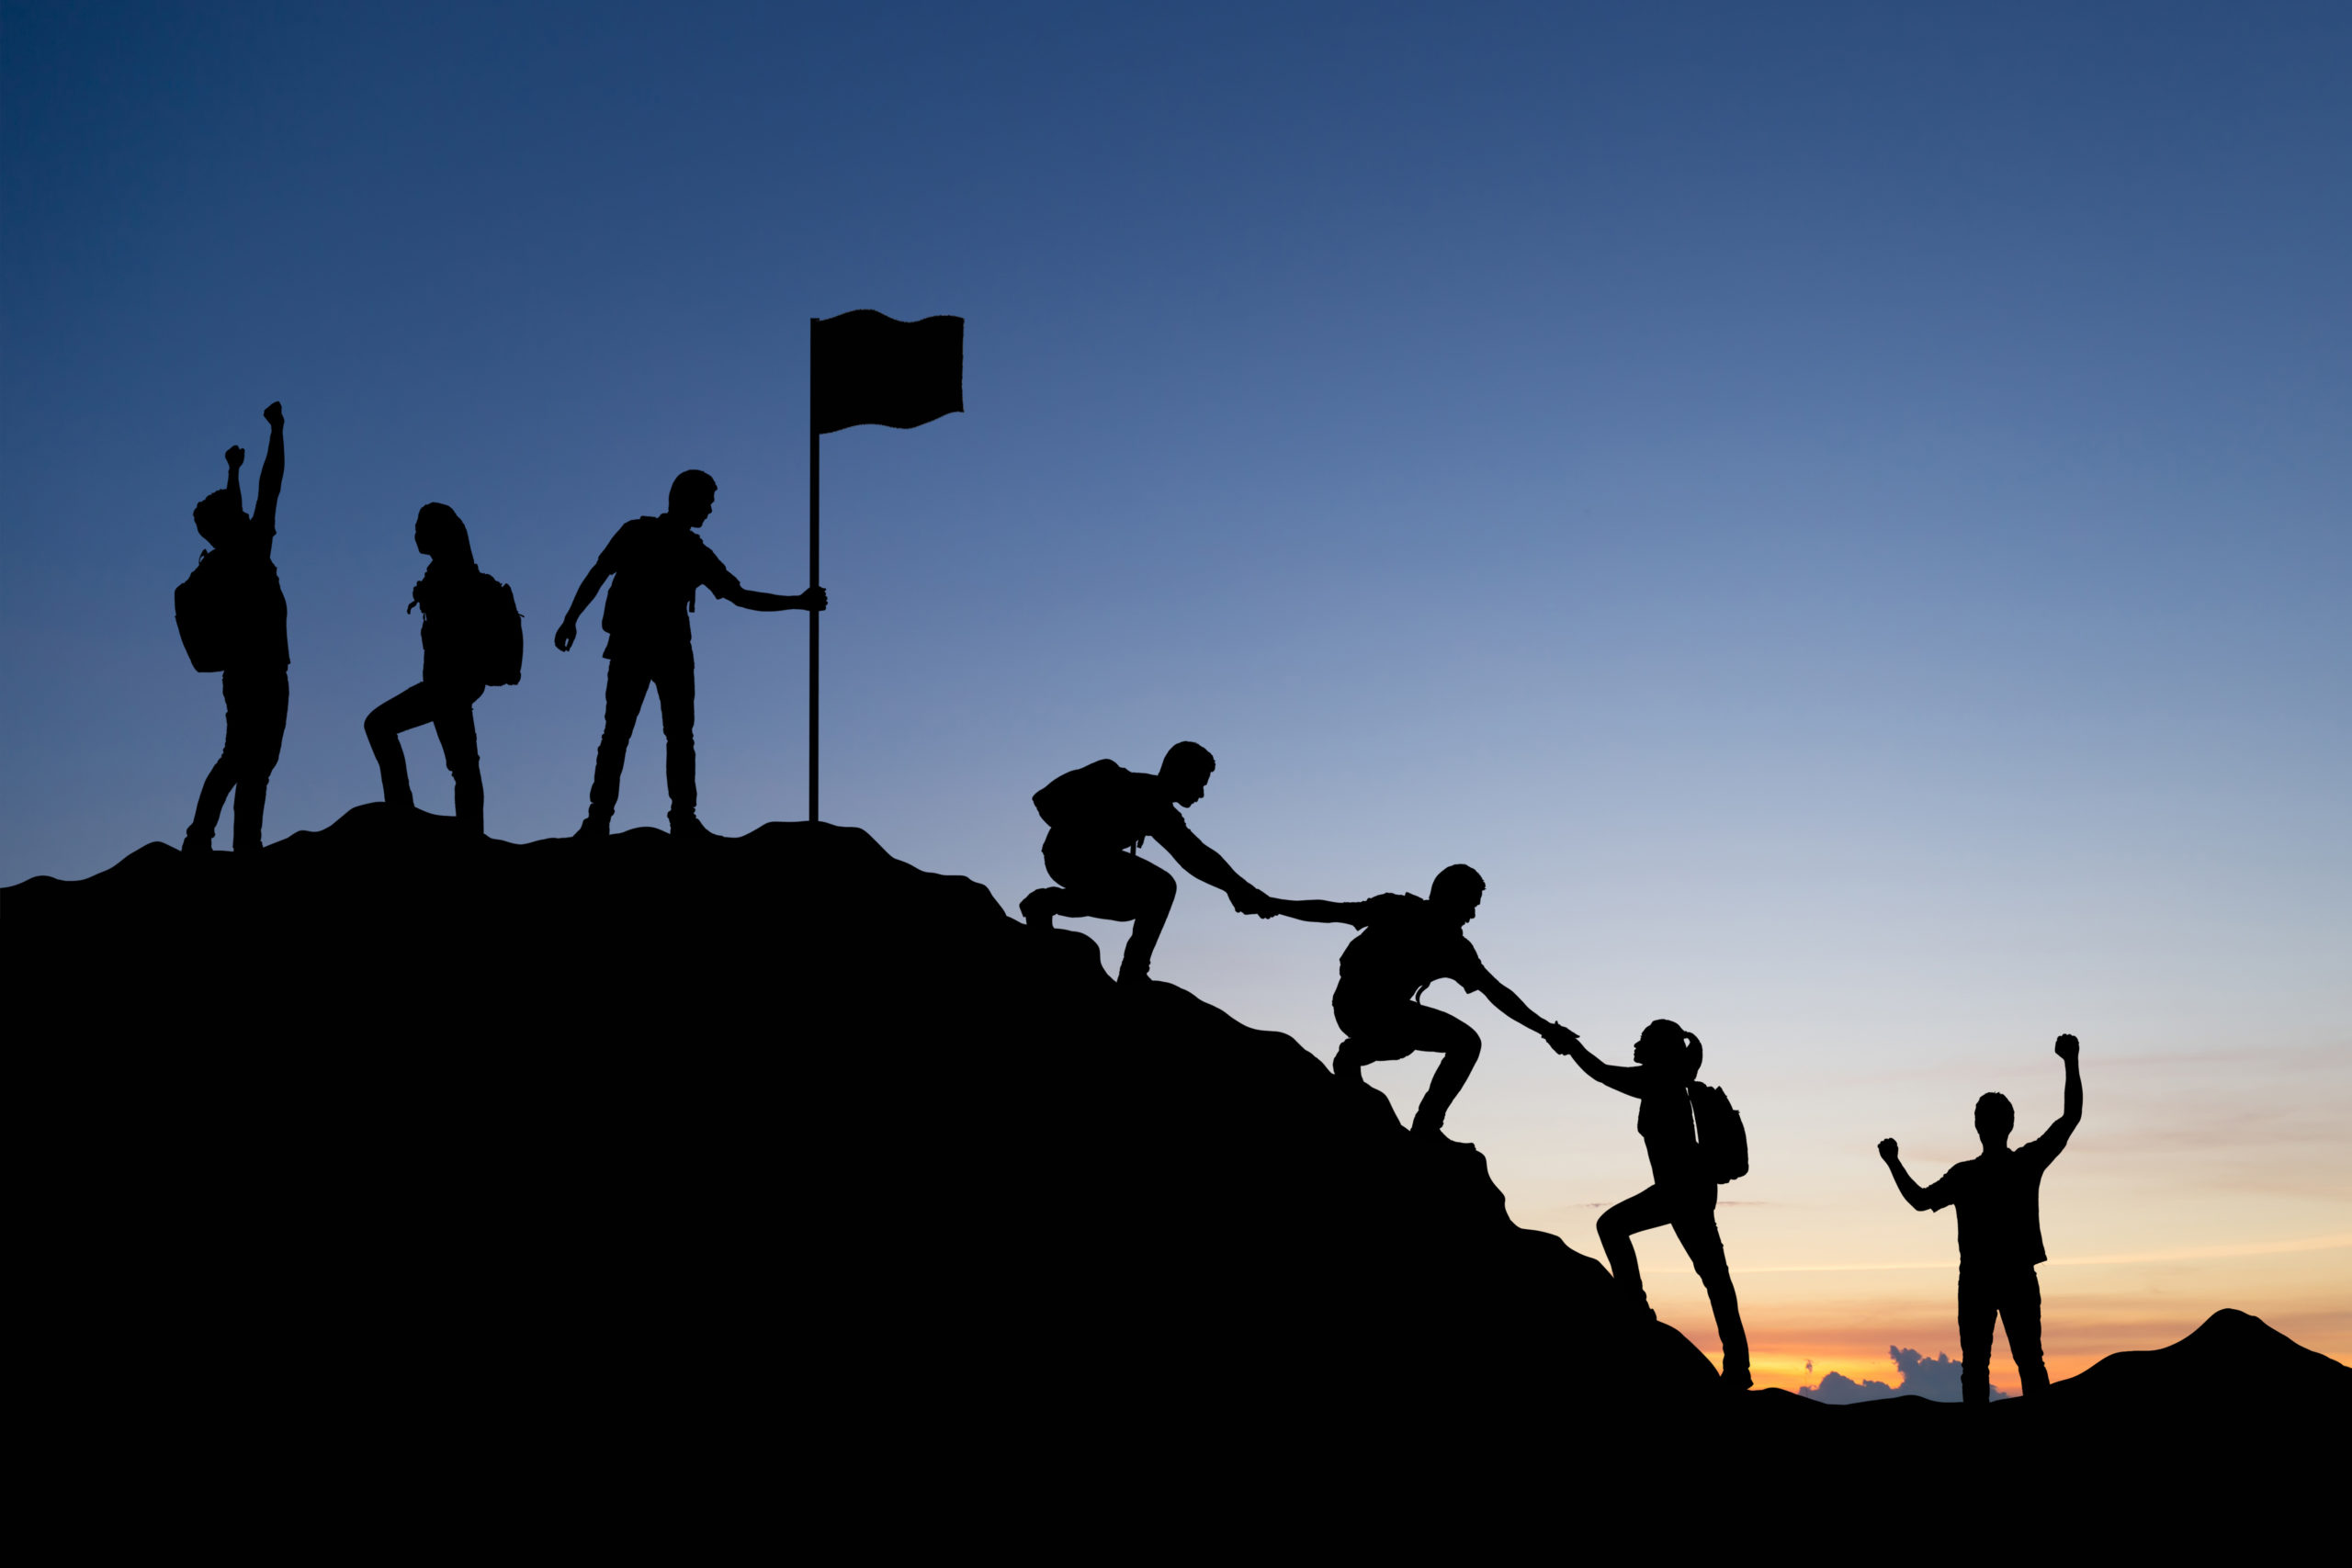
pixel 393 1147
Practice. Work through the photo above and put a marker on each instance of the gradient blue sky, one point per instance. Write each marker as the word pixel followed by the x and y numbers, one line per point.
pixel 1840 511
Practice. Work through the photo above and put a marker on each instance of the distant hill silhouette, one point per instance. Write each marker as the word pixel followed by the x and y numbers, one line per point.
pixel 582 1147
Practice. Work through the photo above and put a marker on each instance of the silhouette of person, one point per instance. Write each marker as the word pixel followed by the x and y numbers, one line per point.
pixel 1406 942
pixel 450 594
pixel 1682 1190
pixel 1999 1194
pixel 253 679
pixel 656 563
pixel 1096 818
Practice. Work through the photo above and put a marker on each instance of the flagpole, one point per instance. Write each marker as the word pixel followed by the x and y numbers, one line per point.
pixel 814 579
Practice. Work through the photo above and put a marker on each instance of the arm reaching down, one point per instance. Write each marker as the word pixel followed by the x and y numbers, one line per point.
pixel 1204 863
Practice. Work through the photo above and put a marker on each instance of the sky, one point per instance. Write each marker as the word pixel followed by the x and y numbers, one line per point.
pixel 1838 511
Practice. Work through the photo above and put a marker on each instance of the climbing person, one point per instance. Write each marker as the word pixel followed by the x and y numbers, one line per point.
pixel 1683 1179
pixel 469 622
pixel 1998 1195
pixel 656 563
pixel 1406 942
pixel 1096 818
pixel 232 618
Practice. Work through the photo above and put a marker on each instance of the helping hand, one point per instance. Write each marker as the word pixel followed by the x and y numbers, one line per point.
pixel 1248 900
pixel 564 635
pixel 2068 1047
pixel 1559 1036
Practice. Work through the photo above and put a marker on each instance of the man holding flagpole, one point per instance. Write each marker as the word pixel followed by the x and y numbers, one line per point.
pixel 656 564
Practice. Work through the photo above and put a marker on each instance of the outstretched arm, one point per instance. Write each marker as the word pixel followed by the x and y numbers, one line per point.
pixel 1913 1193
pixel 1625 1080
pixel 752 598
pixel 2069 1051
pixel 273 475
pixel 1506 1003
pixel 1322 911
pixel 1210 867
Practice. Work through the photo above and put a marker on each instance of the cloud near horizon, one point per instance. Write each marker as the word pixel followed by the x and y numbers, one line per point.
pixel 1937 1379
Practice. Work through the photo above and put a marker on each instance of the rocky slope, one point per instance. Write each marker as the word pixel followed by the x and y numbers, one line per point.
pixel 553 1146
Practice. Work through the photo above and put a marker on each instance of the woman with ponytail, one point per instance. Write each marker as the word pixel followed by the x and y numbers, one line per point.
pixel 450 594
pixel 1682 1189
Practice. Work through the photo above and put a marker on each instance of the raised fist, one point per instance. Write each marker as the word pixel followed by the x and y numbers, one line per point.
pixel 2068 1047
pixel 275 414
pixel 236 456
pixel 1887 1151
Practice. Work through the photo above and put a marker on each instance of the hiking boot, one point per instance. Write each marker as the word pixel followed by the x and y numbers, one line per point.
pixel 1035 913
pixel 1738 1380
pixel 598 826
pixel 689 827
pixel 192 845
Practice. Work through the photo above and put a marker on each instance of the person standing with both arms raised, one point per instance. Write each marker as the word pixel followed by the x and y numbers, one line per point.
pixel 236 595
pixel 1999 1194
pixel 1682 1187
pixel 656 563
pixel 458 601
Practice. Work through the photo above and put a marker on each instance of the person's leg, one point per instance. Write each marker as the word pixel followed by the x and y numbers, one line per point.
pixel 1151 893
pixel 2022 1316
pixel 1645 1210
pixel 676 683
pixel 263 736
pixel 625 684
pixel 452 721
pixel 404 712
pixel 214 794
pixel 1443 1032
pixel 1704 1242
pixel 1977 1304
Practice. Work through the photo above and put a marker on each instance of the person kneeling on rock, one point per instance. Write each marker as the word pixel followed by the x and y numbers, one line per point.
pixel 1096 818
pixel 1405 943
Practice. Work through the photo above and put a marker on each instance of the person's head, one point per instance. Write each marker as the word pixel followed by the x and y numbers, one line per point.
pixel 1665 1044
pixel 440 533
pixel 1185 770
pixel 1995 1117
pixel 691 495
pixel 215 515
pixel 1455 893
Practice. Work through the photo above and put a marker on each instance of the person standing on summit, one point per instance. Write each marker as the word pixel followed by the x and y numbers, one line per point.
pixel 2000 1198
pixel 656 563
pixel 1097 817
pixel 235 611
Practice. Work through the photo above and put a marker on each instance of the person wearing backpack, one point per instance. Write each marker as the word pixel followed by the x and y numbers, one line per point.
pixel 462 607
pixel 1684 1173
pixel 656 563
pixel 1406 942
pixel 233 619
pixel 1096 817
pixel 1998 1195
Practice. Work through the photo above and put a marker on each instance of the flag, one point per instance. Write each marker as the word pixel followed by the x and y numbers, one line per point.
pixel 866 368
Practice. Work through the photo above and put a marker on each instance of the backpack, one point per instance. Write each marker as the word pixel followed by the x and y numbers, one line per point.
pixel 1722 1137
pixel 494 627
pixel 1083 798
pixel 206 608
